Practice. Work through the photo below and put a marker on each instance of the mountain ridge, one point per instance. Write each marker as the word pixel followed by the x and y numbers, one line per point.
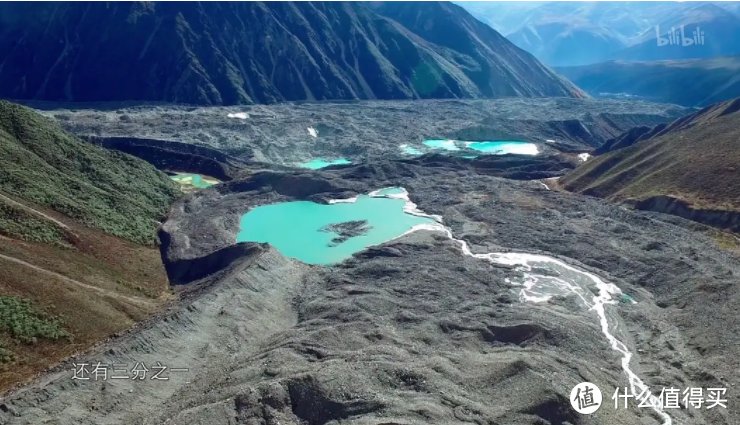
pixel 691 161
pixel 176 52
pixel 718 27
pixel 556 32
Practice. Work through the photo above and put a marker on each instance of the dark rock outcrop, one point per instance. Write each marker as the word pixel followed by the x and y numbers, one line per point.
pixel 174 156
pixel 729 220
pixel 228 259
pixel 224 53
pixel 346 230
pixel 510 166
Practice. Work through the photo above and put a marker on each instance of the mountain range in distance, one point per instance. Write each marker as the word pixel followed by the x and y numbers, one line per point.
pixel 206 53
pixel 580 33
pixel 688 82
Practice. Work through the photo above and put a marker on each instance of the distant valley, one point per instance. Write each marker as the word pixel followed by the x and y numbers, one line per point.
pixel 581 33
pixel 630 50
pixel 689 82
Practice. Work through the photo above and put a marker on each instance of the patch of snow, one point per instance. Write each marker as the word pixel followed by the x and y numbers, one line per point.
pixel 409 207
pixel 239 115
pixel 550 141
pixel 584 156
pixel 447 144
pixel 313 132
pixel 340 201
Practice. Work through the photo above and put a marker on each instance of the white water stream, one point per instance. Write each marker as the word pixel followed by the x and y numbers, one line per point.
pixel 542 287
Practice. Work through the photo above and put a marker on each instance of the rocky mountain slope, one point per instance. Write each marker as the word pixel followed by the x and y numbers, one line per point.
pixel 221 53
pixel 688 168
pixel 78 224
pixel 702 82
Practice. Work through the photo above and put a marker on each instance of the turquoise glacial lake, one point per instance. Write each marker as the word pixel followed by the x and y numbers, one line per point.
pixel 490 147
pixel 321 163
pixel 295 228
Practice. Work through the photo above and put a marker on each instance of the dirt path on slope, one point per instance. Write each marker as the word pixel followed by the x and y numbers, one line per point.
pixel 134 300
pixel 39 213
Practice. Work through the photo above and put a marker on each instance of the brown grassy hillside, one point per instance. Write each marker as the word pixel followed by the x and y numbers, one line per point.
pixel 78 261
pixel 695 159
pixel 94 285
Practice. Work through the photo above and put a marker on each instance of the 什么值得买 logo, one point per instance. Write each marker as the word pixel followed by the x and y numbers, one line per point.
pixel 585 398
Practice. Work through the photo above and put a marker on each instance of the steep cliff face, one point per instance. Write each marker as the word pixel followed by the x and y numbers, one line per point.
pixel 220 53
pixel 729 220
pixel 174 156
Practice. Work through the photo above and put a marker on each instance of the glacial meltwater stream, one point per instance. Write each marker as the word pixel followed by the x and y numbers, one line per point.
pixel 327 234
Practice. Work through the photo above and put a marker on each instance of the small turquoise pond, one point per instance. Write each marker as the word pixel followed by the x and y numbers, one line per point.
pixel 193 179
pixel 295 228
pixel 321 163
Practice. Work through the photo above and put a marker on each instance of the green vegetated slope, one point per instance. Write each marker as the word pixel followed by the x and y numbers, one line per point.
pixel 216 53
pixel 39 162
pixel 25 323
pixel 695 159
pixel 18 222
